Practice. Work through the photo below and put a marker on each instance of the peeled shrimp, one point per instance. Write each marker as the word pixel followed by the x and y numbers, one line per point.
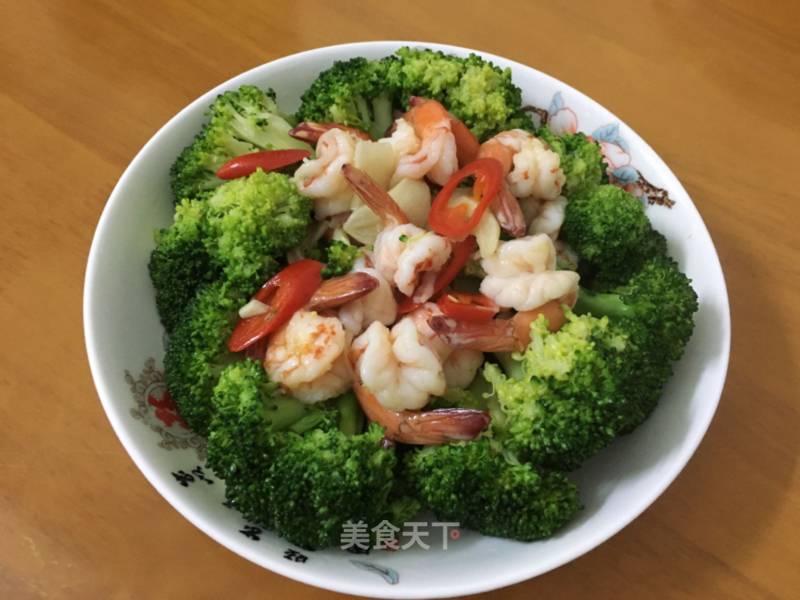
pixel 403 140
pixel 395 373
pixel 500 335
pixel 522 275
pixel 404 254
pixel 459 365
pixel 377 305
pixel 321 178
pixel 532 169
pixel 308 357
pixel 436 156
pixel 549 218
pixel 397 366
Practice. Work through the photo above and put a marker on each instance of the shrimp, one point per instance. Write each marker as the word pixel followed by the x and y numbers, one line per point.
pixel 403 140
pixel 500 335
pixel 531 168
pixel 459 364
pixel 549 218
pixel 321 178
pixel 311 132
pixel 521 274
pixel 308 357
pixel 395 374
pixel 437 156
pixel 404 254
pixel 377 305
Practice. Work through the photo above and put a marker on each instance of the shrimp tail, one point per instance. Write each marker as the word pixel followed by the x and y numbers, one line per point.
pixel 422 428
pixel 309 131
pixel 497 335
pixel 442 425
pixel 337 291
pixel 380 202
pixel 508 212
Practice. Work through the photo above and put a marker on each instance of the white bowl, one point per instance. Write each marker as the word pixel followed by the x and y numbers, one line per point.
pixel 124 343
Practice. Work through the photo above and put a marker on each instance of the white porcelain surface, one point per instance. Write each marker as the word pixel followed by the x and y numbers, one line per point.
pixel 122 331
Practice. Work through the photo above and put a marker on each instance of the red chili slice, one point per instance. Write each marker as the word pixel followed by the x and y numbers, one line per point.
pixel 453 221
pixel 286 293
pixel 473 308
pixel 266 160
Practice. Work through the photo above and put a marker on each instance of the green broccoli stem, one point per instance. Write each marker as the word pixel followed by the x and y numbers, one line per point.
pixel 351 419
pixel 511 367
pixel 381 116
pixel 601 305
pixel 289 413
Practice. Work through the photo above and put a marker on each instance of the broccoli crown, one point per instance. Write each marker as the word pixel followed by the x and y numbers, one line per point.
pixel 197 350
pixel 610 231
pixel 290 468
pixel 581 161
pixel 479 93
pixel 361 93
pixel 484 489
pixel 252 220
pixel 240 121
pixel 655 309
pixel 179 264
pixel 351 92
pixel 561 397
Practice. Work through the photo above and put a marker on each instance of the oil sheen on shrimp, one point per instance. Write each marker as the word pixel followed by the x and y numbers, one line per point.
pixel 522 275
pixel 321 178
pixel 308 357
pixel 436 156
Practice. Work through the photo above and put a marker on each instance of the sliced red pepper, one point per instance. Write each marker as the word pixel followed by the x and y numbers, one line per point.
pixel 461 252
pixel 453 221
pixel 266 160
pixel 472 308
pixel 286 293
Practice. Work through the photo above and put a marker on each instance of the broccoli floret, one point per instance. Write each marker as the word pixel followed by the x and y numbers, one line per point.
pixel 561 396
pixel 197 350
pixel 473 89
pixel 482 488
pixel 241 121
pixel 353 93
pixel 290 468
pixel 180 264
pixel 253 220
pixel 611 233
pixel 581 161
pixel 655 310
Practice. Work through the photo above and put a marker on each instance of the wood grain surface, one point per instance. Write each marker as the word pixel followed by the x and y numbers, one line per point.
pixel 712 86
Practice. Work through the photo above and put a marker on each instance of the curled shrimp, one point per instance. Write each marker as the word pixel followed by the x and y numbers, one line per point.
pixel 395 374
pixel 308 357
pixel 521 274
pixel 404 254
pixel 309 131
pixel 377 305
pixel 500 335
pixel 321 178
pixel 437 155
pixel 531 169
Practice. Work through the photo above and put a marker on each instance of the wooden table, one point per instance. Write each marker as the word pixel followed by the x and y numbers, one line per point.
pixel 713 87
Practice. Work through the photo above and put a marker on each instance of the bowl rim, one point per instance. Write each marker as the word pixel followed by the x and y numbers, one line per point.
pixel 500 579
